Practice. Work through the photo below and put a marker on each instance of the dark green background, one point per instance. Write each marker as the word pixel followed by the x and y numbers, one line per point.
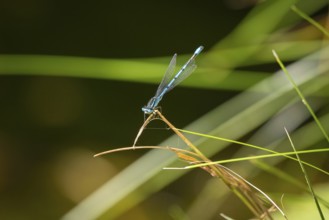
pixel 42 118
pixel 49 125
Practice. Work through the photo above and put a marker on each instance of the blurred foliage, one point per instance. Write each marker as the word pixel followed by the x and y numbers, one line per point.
pixel 72 84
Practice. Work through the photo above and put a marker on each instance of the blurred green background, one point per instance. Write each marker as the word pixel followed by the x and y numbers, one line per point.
pixel 52 123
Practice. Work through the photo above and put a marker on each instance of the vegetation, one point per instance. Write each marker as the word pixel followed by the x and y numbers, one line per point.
pixel 260 143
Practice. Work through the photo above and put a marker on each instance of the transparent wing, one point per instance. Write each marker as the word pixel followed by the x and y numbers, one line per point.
pixel 167 76
pixel 186 73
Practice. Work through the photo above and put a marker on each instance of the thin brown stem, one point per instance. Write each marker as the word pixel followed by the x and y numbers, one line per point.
pixel 178 151
pixel 195 149
pixel 149 118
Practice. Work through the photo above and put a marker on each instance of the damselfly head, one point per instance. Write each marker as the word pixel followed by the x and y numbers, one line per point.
pixel 149 108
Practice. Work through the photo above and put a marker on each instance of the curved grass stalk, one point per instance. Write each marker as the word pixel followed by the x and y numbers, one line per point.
pixel 238 185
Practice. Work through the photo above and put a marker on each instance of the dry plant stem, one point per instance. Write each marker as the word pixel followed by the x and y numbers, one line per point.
pixel 196 150
pixel 178 151
pixel 236 184
pixel 151 116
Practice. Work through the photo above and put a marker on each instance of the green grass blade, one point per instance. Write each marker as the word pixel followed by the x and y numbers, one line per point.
pixel 287 177
pixel 300 95
pixel 306 177
pixel 310 20
pixel 275 154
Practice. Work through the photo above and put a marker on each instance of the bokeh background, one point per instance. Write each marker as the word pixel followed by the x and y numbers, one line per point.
pixel 51 124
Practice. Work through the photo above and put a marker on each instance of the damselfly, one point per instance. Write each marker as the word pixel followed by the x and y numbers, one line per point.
pixel 166 84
